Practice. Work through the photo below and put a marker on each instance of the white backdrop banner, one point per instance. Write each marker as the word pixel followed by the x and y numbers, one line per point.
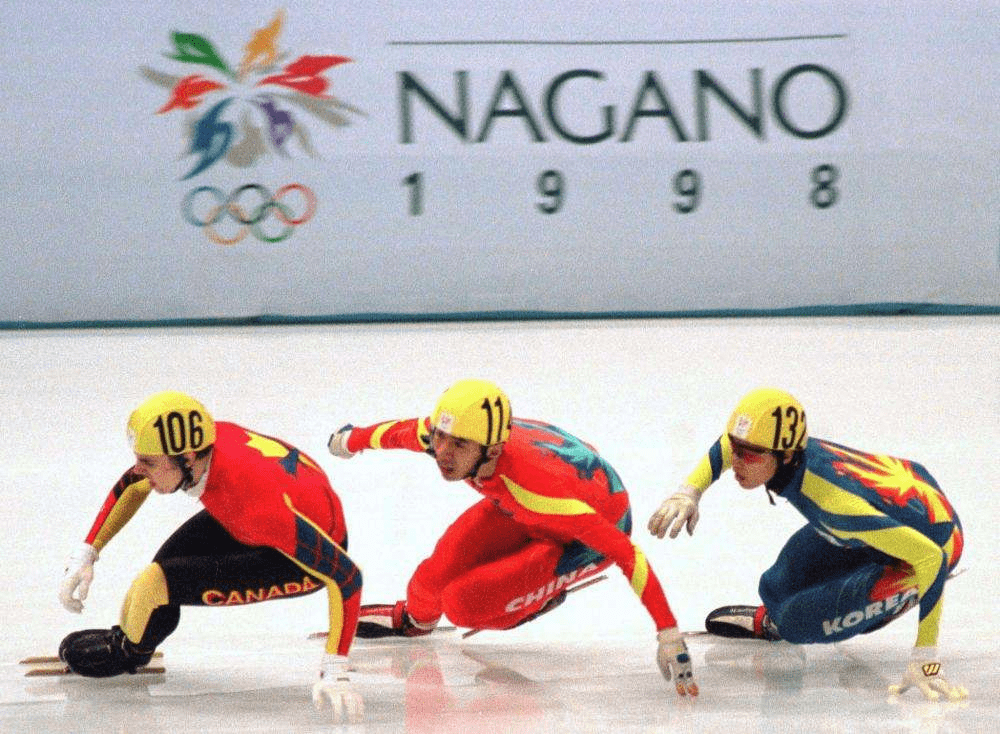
pixel 239 161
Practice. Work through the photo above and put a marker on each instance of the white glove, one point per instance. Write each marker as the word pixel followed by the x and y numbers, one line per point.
pixel 77 577
pixel 923 673
pixel 335 686
pixel 675 662
pixel 680 507
pixel 338 442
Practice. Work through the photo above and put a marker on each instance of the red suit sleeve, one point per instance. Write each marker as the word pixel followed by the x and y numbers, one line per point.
pixel 598 533
pixel 320 555
pixel 413 434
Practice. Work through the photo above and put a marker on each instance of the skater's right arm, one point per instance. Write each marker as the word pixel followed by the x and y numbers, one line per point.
pixel 413 434
pixel 681 508
pixel 122 502
pixel 678 509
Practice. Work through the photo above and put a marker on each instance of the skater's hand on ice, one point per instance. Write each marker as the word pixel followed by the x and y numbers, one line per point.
pixel 923 673
pixel 335 686
pixel 675 662
pixel 77 577
pixel 338 442
pixel 681 507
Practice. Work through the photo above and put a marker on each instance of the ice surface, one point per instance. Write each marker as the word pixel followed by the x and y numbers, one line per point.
pixel 652 395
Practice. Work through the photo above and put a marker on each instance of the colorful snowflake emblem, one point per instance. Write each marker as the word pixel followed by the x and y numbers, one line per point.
pixel 242 114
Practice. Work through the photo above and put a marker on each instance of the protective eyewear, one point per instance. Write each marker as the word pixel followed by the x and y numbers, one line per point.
pixel 747 453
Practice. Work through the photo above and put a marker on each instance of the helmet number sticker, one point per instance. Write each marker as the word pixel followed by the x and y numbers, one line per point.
pixel 788 436
pixel 492 420
pixel 177 435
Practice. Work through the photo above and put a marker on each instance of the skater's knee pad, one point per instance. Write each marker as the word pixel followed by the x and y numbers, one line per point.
pixel 893 594
pixel 147 593
pixel 892 579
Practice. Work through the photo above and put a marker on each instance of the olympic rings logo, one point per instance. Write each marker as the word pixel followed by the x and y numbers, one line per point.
pixel 220 207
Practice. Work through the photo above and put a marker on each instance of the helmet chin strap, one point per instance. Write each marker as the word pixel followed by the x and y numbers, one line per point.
pixel 479 464
pixel 483 458
pixel 783 474
pixel 187 478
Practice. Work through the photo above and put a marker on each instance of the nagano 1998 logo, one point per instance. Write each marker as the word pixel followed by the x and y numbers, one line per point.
pixel 238 115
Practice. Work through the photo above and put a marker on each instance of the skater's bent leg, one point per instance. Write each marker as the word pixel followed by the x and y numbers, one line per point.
pixel 853 603
pixel 811 579
pixel 478 536
pixel 510 590
pixel 147 617
pixel 803 561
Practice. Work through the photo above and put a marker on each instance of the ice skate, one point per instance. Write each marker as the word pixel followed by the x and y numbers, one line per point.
pixel 101 653
pixel 388 620
pixel 545 608
pixel 743 622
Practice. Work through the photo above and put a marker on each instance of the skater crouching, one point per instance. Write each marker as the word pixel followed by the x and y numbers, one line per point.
pixel 554 512
pixel 270 521
pixel 881 536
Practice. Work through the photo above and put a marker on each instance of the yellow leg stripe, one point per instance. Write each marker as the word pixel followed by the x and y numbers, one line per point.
pixel 148 591
pixel 547 505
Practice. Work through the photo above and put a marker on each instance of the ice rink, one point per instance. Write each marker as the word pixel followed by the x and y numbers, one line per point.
pixel 651 394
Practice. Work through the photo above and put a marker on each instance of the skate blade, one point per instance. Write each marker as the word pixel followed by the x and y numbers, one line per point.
pixel 53 671
pixel 42 659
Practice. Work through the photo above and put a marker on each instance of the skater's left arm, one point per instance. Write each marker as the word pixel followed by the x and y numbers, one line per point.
pixel 599 534
pixel 317 553
pixel 314 551
pixel 569 517
pixel 122 502
pixel 672 653
pixel 930 566
pixel 928 560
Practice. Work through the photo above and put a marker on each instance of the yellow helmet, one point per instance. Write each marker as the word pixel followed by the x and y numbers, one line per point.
pixel 170 423
pixel 770 419
pixel 475 410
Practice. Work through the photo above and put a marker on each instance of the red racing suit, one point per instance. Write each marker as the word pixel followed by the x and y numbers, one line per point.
pixel 554 512
pixel 264 493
